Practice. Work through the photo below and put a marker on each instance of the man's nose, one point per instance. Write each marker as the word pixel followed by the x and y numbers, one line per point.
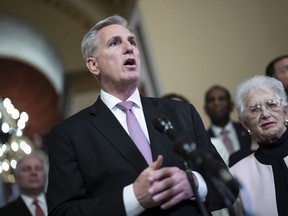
pixel 128 47
pixel 34 171
pixel 216 101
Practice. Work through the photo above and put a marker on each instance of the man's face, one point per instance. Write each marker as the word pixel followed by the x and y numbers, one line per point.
pixel 30 176
pixel 281 72
pixel 117 58
pixel 218 106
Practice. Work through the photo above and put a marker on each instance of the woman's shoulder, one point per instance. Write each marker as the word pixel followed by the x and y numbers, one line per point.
pixel 244 164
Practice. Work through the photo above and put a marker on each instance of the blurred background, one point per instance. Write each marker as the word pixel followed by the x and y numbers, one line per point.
pixel 186 45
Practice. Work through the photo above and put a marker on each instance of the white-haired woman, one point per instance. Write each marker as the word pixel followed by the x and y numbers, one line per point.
pixel 261 105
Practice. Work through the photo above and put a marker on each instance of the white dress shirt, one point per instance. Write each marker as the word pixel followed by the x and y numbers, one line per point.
pixel 31 206
pixel 231 133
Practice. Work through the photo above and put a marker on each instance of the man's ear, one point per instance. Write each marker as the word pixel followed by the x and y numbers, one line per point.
pixel 92 65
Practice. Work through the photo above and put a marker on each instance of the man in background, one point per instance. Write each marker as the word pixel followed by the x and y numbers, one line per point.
pixel 278 68
pixel 30 178
pixel 236 140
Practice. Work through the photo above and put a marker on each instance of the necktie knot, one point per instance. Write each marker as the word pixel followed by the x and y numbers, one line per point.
pixel 38 210
pixel 35 202
pixel 125 105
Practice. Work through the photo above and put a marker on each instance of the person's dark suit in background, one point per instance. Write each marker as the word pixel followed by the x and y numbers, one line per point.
pixel 96 168
pixel 218 106
pixel 30 177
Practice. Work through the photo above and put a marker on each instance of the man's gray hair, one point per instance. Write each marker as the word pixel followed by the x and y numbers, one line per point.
pixel 90 41
pixel 20 160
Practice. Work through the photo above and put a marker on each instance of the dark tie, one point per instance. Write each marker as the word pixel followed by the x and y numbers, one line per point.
pixel 227 141
pixel 135 131
pixel 38 210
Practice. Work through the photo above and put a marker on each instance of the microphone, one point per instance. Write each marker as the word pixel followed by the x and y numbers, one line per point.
pixel 203 160
pixel 163 124
pixel 183 147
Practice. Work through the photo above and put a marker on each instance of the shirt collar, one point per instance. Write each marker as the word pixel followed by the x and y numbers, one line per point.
pixel 28 200
pixel 111 101
pixel 217 130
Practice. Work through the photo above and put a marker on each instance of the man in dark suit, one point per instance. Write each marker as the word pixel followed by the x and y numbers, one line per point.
pixel 30 177
pixel 96 168
pixel 218 106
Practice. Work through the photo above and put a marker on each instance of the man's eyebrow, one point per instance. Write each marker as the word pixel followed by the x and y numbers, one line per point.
pixel 113 38
pixel 110 40
pixel 132 37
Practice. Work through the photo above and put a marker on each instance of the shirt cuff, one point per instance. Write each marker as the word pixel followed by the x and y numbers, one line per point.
pixel 202 186
pixel 132 206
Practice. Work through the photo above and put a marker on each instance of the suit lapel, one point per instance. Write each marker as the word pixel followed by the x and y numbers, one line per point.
pixel 22 208
pixel 158 141
pixel 107 124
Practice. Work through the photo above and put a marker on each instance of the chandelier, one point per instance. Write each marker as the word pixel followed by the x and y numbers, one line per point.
pixel 13 143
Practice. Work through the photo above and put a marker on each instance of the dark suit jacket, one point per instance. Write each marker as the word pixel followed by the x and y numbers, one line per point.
pixel 244 141
pixel 92 159
pixel 15 208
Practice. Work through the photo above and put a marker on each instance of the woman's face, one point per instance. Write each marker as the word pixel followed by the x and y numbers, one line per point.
pixel 265 116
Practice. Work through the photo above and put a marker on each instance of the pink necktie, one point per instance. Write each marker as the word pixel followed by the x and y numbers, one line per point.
pixel 38 210
pixel 227 141
pixel 135 130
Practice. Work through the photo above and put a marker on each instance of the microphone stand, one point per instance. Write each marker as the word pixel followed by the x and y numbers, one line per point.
pixel 189 173
pixel 187 151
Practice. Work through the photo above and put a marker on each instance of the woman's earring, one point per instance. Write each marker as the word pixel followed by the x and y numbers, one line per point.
pixel 286 122
pixel 250 133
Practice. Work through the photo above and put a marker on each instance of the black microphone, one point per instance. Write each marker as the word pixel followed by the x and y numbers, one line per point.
pixel 163 124
pixel 183 147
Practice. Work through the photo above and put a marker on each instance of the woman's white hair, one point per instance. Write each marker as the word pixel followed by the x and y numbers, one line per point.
pixel 257 83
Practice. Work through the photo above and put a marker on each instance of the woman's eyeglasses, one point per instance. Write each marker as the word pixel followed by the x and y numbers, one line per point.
pixel 270 105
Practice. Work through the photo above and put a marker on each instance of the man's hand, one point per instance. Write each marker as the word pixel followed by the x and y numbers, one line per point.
pixel 170 186
pixel 162 186
pixel 142 184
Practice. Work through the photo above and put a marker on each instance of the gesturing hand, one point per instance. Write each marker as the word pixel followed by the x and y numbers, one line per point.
pixel 142 184
pixel 169 186
pixel 162 186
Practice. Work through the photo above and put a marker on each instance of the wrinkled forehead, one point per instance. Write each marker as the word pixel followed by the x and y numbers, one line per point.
pixel 281 63
pixel 259 96
pixel 217 92
pixel 30 161
pixel 114 30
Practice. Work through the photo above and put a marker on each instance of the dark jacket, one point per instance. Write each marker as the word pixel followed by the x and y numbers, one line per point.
pixel 15 208
pixel 92 159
